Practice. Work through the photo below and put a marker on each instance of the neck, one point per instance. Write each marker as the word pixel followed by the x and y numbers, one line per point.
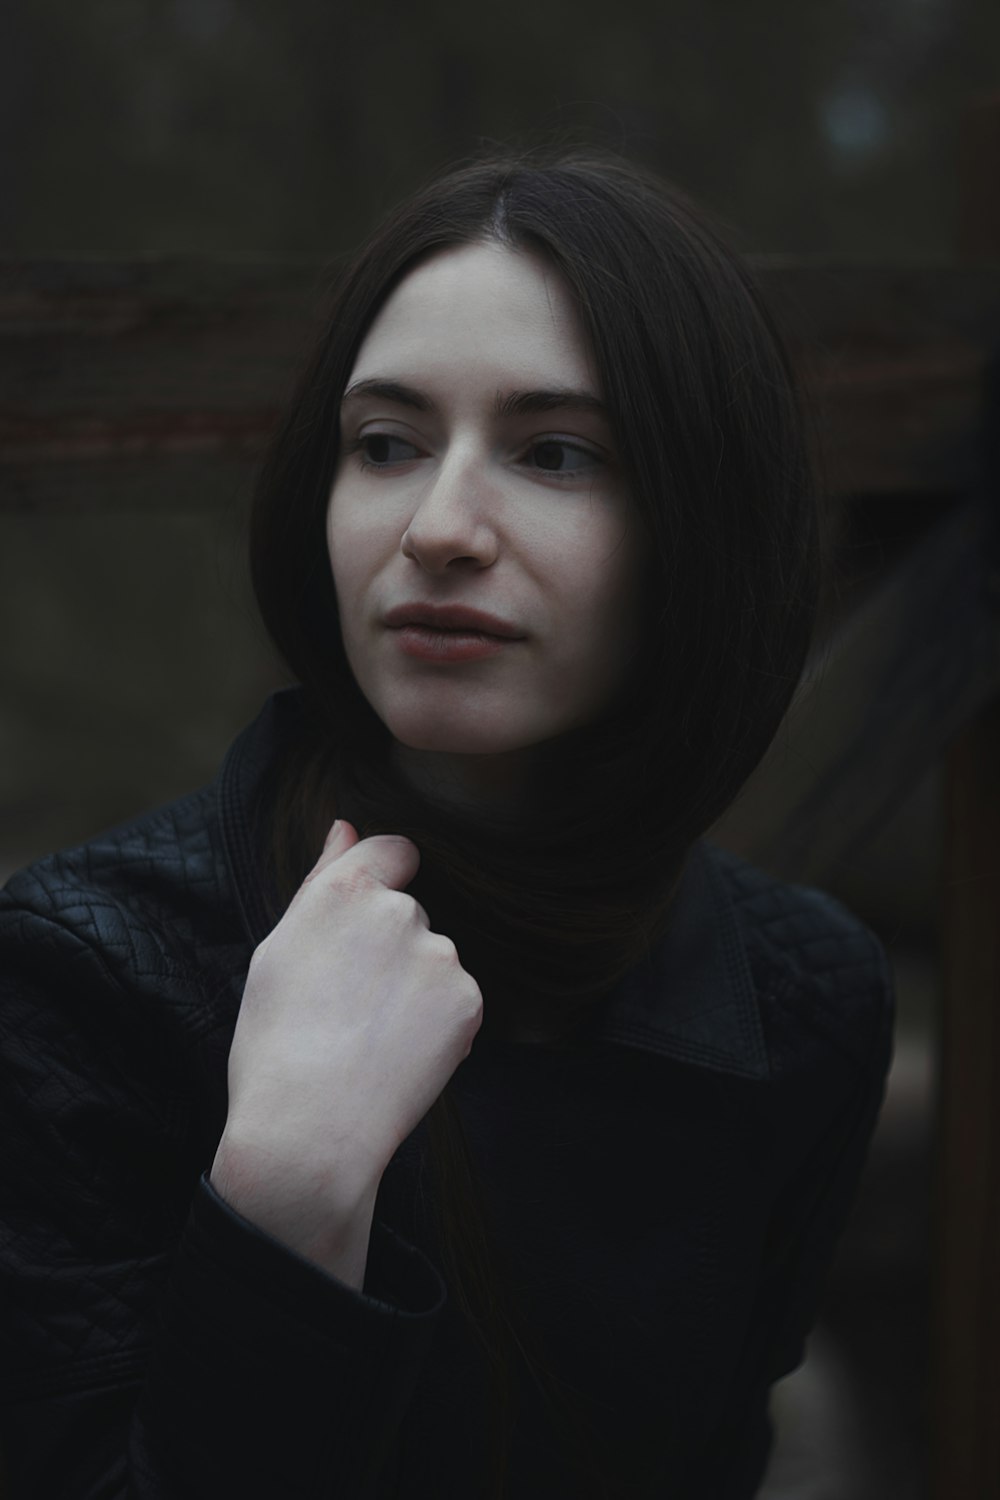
pixel 490 784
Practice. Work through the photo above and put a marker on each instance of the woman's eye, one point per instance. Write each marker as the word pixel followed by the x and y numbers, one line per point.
pixel 557 457
pixel 379 450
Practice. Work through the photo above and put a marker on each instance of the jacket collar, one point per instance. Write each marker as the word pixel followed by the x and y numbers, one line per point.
pixel 693 998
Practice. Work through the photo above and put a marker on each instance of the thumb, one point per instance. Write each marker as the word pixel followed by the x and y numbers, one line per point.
pixel 341 837
pixel 390 859
pixel 340 830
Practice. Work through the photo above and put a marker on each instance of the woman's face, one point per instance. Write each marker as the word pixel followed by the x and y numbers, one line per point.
pixel 477 473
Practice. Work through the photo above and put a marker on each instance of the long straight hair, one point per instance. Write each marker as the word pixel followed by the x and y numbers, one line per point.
pixel 549 914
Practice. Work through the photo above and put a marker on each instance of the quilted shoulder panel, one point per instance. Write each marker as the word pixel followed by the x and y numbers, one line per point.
pixel 153 899
pixel 121 968
pixel 812 957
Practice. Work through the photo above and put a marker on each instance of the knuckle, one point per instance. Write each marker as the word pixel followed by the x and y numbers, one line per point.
pixel 397 908
pixel 260 959
pixel 441 947
pixel 474 1013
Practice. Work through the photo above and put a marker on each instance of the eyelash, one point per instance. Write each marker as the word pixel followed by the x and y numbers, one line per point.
pixel 358 448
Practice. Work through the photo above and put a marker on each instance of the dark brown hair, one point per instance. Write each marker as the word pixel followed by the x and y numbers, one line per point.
pixel 548 916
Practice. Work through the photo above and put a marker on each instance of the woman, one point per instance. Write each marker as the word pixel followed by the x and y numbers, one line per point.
pixel 424 1109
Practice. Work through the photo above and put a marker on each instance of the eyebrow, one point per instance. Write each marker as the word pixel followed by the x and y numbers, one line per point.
pixel 514 404
pixel 388 390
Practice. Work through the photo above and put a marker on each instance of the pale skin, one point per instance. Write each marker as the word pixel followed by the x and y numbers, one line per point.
pixel 477 469
pixel 354 1017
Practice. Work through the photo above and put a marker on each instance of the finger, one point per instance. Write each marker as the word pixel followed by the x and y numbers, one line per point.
pixel 341 837
pixel 337 831
pixel 388 858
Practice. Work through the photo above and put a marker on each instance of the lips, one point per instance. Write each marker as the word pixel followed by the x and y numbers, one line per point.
pixel 451 617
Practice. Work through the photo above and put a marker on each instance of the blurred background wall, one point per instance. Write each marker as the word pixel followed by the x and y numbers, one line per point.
pixel 200 127
pixel 130 656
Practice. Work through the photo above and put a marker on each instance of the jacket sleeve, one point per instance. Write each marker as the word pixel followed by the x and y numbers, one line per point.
pixel 155 1343
pixel 806 1226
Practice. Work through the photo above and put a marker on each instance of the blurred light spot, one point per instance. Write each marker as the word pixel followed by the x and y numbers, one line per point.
pixel 855 121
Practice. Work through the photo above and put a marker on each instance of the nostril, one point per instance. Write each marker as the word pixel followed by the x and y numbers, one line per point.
pixel 435 547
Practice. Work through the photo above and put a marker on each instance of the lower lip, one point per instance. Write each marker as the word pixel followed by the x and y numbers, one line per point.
pixel 449 645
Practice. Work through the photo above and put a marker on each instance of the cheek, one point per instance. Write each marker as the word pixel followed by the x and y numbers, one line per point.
pixel 597 628
pixel 607 582
pixel 334 545
pixel 349 545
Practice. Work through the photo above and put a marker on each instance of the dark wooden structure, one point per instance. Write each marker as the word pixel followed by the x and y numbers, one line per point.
pixel 966 1352
pixel 155 385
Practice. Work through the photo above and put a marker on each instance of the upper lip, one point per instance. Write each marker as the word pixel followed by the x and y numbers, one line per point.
pixel 450 617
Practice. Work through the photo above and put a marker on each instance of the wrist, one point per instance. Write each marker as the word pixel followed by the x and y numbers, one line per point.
pixel 322 1211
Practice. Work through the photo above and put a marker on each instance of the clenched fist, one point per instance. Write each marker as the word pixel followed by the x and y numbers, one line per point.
pixel 354 1017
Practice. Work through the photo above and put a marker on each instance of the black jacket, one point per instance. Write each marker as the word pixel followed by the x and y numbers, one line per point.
pixel 669 1191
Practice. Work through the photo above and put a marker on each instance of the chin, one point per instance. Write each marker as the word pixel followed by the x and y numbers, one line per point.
pixel 453 740
pixel 438 734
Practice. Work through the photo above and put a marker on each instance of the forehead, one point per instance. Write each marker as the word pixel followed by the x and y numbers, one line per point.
pixel 481 309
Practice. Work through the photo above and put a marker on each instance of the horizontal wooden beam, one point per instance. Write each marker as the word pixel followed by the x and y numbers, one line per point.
pixel 150 383
pixel 892 357
pixel 157 383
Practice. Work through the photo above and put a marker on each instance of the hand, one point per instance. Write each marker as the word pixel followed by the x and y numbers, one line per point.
pixel 354 1017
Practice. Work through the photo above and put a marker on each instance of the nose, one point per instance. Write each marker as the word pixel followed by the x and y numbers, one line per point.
pixel 452 526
